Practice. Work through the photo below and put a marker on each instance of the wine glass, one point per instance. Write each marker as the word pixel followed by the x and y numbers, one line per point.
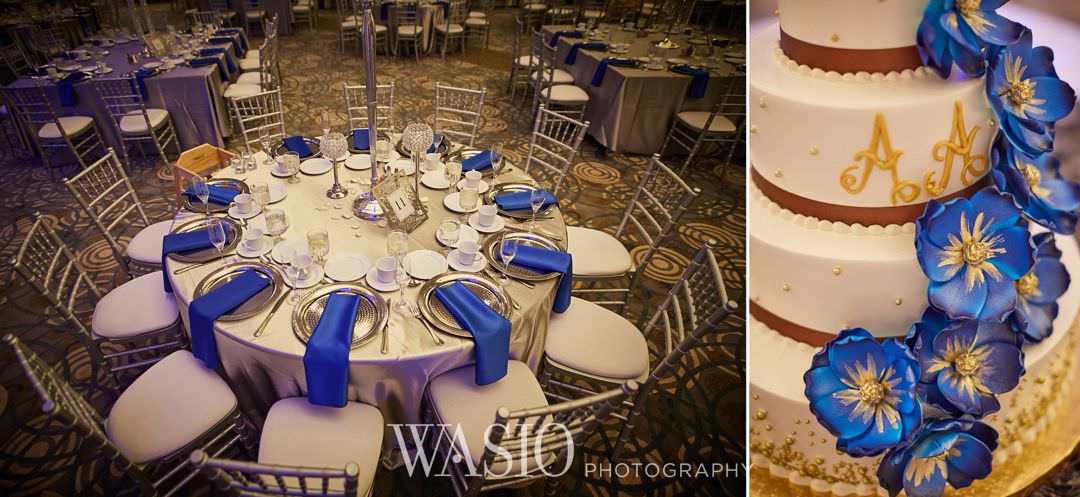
pixel 496 157
pixel 288 254
pixel 319 244
pixel 202 191
pixel 402 276
pixel 536 201
pixel 449 232
pixel 215 229
pixel 508 249
pixel 397 244
pixel 437 139
pixel 324 120
pixel 264 139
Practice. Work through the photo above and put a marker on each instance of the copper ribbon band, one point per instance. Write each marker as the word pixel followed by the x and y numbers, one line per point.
pixel 866 216
pixel 794 331
pixel 848 60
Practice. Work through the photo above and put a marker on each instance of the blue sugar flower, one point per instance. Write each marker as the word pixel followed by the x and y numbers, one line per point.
pixel 863 392
pixel 1037 292
pixel 965 364
pixel 958 30
pixel 972 251
pixel 952 451
pixel 1036 186
pixel 1027 95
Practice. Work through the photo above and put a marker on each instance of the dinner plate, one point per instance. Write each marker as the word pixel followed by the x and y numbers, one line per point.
pixel 425 264
pixel 152 65
pixel 483 287
pixel 68 66
pixel 358 162
pixel 453 202
pixel 676 60
pixel 312 144
pixel 405 166
pixel 194 205
pixel 347 267
pixel 233 232
pixel 466 153
pixel 257 302
pixel 371 314
pixel 316 166
pixel 443 149
pixel 490 249
pixel 278 192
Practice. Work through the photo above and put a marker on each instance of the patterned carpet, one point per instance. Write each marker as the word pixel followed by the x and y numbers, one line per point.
pixel 697 418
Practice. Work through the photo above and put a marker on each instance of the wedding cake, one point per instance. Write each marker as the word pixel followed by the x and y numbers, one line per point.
pixel 910 307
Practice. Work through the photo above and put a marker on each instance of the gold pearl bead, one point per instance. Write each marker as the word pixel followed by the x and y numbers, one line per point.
pixel 787 287
pixel 753 129
pixel 898 301
pixel 778 173
pixel 836 270
pixel 761 102
pixel 835 38
pixel 813 151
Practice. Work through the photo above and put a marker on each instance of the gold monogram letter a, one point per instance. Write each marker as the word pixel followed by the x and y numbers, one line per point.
pixel 902 190
pixel 959 144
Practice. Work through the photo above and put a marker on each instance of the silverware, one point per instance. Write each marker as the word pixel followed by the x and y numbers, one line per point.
pixel 200 264
pixel 415 310
pixel 386 329
pixel 494 274
pixel 262 326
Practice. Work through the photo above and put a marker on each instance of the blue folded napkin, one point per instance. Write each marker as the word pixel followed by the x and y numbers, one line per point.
pixel 299 145
pixel 431 149
pixel 519 201
pixel 543 260
pixel 698 84
pixel 234 31
pixel 445 8
pixel 601 68
pixel 477 162
pixel 37 71
pixel 218 195
pixel 571 57
pixel 67 55
pixel 179 243
pixel 205 309
pixel 205 61
pixel 219 50
pixel 326 360
pixel 219 40
pixel 138 82
pixel 490 331
pixel 568 34
pixel 360 139
pixel 66 88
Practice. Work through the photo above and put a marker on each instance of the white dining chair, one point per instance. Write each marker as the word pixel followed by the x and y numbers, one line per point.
pixel 554 88
pixel 305 450
pixel 75 134
pixel 134 122
pixel 257 112
pixel 458 111
pixel 172 408
pixel 693 308
pixel 356 106
pixel 496 417
pixel 46 263
pixel 228 15
pixel 651 215
pixel 554 143
pixel 451 26
pixel 478 22
pixel 405 19
pixel 722 127
pixel 105 195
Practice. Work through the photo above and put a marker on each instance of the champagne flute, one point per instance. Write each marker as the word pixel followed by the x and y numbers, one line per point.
pixel 403 277
pixel 264 139
pixel 292 272
pixel 496 157
pixel 508 249
pixel 438 139
pixel 325 121
pixel 536 201
pixel 202 191
pixel 215 229
pixel 397 244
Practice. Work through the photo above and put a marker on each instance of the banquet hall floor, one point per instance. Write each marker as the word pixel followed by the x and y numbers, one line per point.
pixel 699 418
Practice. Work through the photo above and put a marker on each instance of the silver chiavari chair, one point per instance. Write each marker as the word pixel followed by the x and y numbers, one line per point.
pixel 561 12
pixel 228 15
pixel 305 11
pixel 47 41
pixel 247 479
pixel 554 88
pixel 458 111
pixel 522 65
pixel 153 424
pixel 356 106
pixel 691 131
pixel 556 140
pixel 592 12
pixel 254 10
pixel 265 76
pixel 693 308
pixel 15 58
pixel 259 111
pixel 495 418
pixel 452 26
pixel 407 27
pixel 133 121
pixel 208 17
pixel 51 268
pixel 532 12
pixel 478 23
pixel 650 217
pixel 106 196
pixel 51 132
pixel 348 24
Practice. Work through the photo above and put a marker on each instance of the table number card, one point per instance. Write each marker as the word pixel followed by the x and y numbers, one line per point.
pixel 400 204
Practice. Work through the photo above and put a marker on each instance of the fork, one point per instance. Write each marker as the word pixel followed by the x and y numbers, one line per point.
pixel 386 329
pixel 415 311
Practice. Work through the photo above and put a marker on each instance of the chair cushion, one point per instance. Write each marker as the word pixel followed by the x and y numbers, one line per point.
pixel 561 10
pixel 525 60
pixel 592 14
pixel 244 90
pixel 596 253
pixel 458 400
pixel 477 13
pixel 536 6
pixel 134 123
pixel 73 125
pixel 565 94
pixel 136 307
pixel 410 30
pixel 146 245
pixel 253 13
pixel 557 77
pixel 249 65
pixel 169 406
pixel 476 21
pixel 250 78
pixel 301 8
pixel 453 28
pixel 298 433
pixel 575 336
pixel 696 120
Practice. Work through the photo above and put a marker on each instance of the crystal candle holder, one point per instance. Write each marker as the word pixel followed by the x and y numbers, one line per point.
pixel 335 148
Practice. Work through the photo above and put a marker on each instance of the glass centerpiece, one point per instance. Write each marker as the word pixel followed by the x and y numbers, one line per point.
pixel 417 139
pixel 335 148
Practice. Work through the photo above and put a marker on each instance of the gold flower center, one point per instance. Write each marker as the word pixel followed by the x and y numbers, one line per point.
pixel 872 392
pixel 1031 174
pixel 976 252
pixel 968 6
pixel 966 364
pixel 1028 284
pixel 1021 92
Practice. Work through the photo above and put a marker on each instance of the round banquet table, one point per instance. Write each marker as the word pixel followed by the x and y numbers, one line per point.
pixel 268 368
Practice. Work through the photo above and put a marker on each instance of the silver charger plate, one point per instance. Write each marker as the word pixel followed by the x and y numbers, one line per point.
pixel 481 286
pixel 233 233
pixel 515 188
pixel 444 147
pixel 257 302
pixel 371 316
pixel 194 205
pixel 467 153
pixel 312 143
pixel 490 249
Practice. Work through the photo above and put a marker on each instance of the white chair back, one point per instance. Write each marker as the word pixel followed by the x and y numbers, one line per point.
pixel 555 142
pixel 258 112
pixel 247 479
pixel 457 112
pixel 356 106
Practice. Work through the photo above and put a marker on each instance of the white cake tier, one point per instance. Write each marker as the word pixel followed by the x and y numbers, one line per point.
pixel 808 127
pixel 786 438
pixel 854 24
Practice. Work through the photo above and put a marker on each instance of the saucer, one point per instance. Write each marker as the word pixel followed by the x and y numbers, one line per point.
pixel 392 156
pixel 151 65
pixel 279 249
pixel 465 234
pixel 266 245
pixel 279 174
pixel 234 212
pixel 425 264
pixel 435 180
pixel 480 188
pixel 452 202
pixel 374 282
pixel 358 162
pixel 278 193
pixel 347 267
pixel 316 166
pixel 478 264
pixel 497 225
pixel 315 274
pixel 406 166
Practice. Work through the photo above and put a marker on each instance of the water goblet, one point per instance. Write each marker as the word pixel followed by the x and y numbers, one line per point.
pixel 261 193
pixel 292 166
pixel 249 161
pixel 276 223
pixel 215 229
pixel 319 244
pixel 468 198
pixel 508 249
pixel 202 191
pixel 397 244
pixel 449 232
pixel 452 173
pixel 238 166
pixel 536 201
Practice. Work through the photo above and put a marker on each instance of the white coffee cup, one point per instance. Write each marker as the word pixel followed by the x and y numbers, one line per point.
pixel 244 203
pixel 302 261
pixel 467 251
pixel 253 238
pixel 472 179
pixel 386 269
pixel 486 214
pixel 431 162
